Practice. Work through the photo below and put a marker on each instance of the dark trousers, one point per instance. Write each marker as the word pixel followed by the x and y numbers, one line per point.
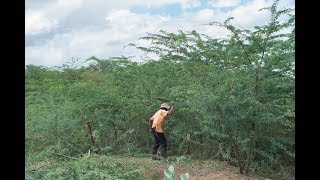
pixel 159 140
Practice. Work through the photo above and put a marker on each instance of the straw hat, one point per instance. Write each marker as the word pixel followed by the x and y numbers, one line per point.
pixel 165 105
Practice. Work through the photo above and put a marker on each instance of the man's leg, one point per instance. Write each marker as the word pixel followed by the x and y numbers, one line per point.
pixel 156 143
pixel 163 144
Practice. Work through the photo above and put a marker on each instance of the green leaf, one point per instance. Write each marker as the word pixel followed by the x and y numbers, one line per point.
pixel 184 176
pixel 169 173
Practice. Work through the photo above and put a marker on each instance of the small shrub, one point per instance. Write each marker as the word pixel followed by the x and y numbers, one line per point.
pixel 169 174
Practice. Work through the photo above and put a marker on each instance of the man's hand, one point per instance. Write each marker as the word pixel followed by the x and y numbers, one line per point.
pixel 171 109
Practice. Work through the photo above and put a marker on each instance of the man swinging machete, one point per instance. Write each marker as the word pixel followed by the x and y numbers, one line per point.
pixel 156 129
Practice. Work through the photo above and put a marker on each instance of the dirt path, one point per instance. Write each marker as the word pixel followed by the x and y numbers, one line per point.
pixel 198 170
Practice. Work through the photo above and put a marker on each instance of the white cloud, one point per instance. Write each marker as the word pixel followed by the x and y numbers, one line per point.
pixel 47 17
pixel 248 15
pixel 204 15
pixel 37 22
pixel 121 4
pixel 224 3
pixel 106 41
pixel 69 3
pixel 119 27
pixel 130 25
pixel 44 55
pixel 187 4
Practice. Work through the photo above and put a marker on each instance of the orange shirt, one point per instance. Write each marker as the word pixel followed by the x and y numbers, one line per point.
pixel 158 119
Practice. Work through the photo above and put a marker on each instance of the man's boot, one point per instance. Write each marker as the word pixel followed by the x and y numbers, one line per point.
pixel 155 157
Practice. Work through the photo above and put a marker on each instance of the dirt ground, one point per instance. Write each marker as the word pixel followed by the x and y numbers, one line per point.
pixel 198 170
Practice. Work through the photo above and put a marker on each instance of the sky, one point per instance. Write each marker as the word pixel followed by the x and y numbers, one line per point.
pixel 57 31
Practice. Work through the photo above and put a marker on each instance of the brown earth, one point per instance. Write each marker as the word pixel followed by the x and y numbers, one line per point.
pixel 198 170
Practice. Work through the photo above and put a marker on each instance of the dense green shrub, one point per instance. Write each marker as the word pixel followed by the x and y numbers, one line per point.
pixel 235 100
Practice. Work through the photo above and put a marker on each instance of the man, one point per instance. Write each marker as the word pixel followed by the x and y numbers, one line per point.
pixel 156 128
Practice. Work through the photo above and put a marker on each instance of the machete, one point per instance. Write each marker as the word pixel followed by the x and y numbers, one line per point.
pixel 162 99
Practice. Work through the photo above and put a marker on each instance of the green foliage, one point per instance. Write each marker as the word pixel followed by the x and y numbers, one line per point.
pixel 183 159
pixel 85 167
pixel 184 176
pixel 234 99
pixel 169 173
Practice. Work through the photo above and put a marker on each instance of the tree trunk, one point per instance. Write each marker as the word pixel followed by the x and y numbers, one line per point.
pixel 188 144
pixel 89 129
pixel 237 153
pixel 252 128
pixel 251 146
pixel 115 135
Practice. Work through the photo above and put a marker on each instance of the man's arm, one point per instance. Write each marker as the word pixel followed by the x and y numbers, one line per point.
pixel 150 123
pixel 171 110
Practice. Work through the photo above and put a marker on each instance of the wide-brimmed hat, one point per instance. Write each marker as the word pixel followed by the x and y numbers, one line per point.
pixel 165 105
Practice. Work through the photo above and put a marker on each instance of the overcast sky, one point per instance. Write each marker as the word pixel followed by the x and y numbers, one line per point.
pixel 57 31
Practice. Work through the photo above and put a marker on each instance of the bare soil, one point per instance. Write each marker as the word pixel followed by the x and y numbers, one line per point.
pixel 198 170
